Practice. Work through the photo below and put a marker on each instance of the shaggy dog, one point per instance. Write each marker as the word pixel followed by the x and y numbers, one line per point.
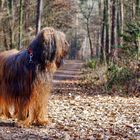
pixel 26 76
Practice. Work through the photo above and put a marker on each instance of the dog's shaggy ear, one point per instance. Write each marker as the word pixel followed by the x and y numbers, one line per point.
pixel 62 47
pixel 62 43
pixel 49 43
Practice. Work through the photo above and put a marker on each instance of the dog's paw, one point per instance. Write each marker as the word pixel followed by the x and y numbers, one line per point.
pixel 41 122
pixel 23 124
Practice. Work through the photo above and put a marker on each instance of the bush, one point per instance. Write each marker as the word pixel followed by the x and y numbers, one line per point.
pixel 117 75
pixel 91 63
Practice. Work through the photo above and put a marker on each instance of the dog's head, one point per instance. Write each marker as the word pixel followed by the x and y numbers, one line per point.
pixel 53 47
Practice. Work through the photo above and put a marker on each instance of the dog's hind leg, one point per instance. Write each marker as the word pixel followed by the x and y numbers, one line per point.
pixel 6 112
pixel 22 110
pixel 38 107
pixel 29 119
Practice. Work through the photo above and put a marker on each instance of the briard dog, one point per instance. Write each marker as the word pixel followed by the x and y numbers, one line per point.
pixel 26 76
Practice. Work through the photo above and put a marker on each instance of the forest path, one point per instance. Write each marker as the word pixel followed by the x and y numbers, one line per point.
pixel 67 77
pixel 71 70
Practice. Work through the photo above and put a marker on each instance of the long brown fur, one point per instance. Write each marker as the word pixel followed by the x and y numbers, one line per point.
pixel 4 105
pixel 27 85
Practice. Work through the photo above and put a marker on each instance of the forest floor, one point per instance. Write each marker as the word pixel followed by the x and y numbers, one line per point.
pixel 81 113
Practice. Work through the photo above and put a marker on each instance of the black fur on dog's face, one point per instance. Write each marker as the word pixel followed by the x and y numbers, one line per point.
pixel 49 44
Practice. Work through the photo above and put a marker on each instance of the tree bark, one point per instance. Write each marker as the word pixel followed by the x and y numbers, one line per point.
pixel 38 15
pixel 121 21
pixel 102 56
pixel 137 7
pixel 114 25
pixel 5 39
pixel 20 24
pixel 1 3
pixel 138 44
pixel 98 44
pixel 133 10
pixel 107 20
pixel 114 30
pixel 90 41
pixel 11 23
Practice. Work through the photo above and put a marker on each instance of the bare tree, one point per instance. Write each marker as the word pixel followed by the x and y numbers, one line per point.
pixel 86 8
pixel 105 33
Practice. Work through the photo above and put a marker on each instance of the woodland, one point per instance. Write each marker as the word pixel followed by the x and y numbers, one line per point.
pixel 96 92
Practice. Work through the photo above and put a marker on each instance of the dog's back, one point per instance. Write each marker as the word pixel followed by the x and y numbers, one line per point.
pixel 3 57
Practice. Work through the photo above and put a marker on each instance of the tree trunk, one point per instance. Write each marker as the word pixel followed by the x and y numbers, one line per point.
pixel 114 30
pixel 38 15
pixel 100 5
pixel 98 44
pixel 121 21
pixel 118 21
pixel 107 20
pixel 137 7
pixel 102 56
pixel 90 41
pixel 113 24
pixel 133 9
pixel 20 24
pixel 1 3
pixel 138 44
pixel 11 22
pixel 5 38
pixel 137 17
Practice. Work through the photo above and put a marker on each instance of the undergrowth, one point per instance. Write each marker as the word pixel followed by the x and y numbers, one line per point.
pixel 117 75
pixel 113 78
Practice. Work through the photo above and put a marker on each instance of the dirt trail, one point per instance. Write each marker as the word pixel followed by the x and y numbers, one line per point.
pixel 66 79
pixel 71 70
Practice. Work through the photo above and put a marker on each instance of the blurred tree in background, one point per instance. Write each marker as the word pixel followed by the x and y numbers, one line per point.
pixel 21 19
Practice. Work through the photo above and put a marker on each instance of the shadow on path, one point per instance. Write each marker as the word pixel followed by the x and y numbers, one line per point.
pixel 66 79
pixel 71 70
